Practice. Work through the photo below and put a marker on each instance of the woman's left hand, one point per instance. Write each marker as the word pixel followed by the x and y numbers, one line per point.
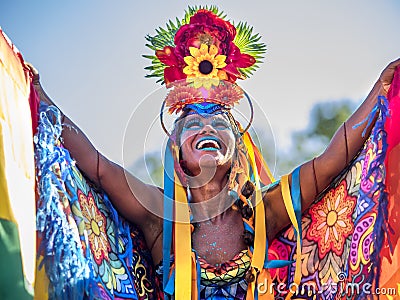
pixel 387 75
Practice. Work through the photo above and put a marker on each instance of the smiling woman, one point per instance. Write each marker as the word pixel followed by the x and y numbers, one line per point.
pixel 204 134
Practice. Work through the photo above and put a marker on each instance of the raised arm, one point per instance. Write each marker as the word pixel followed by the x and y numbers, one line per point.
pixel 125 190
pixel 345 144
pixel 317 174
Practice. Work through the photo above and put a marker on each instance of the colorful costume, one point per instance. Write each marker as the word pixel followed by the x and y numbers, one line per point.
pixel 338 233
pixel 343 247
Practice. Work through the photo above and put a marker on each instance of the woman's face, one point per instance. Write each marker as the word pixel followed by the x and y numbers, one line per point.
pixel 206 141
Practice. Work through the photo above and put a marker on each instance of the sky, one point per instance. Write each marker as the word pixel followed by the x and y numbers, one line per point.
pixel 89 55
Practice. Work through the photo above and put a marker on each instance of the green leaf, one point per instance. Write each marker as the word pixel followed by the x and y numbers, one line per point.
pixel 249 43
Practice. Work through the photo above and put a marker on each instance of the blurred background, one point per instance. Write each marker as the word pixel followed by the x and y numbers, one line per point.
pixel 322 59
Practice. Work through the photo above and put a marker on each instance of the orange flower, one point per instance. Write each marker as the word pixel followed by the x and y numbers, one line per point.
pixel 331 220
pixel 226 94
pixel 181 96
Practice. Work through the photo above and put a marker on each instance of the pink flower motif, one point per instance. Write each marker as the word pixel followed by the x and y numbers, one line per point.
pixel 278 251
pixel 95 225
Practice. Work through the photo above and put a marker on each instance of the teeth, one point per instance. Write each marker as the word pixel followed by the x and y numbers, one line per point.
pixel 213 144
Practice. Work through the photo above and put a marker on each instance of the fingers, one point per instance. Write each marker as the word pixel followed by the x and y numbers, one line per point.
pixel 34 72
pixel 31 68
pixel 388 73
pixel 395 63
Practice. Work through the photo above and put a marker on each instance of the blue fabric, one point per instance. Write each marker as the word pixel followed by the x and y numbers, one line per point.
pixel 170 286
pixel 72 272
pixel 204 108
pixel 247 227
pixel 277 263
pixel 269 186
pixel 68 270
pixel 381 106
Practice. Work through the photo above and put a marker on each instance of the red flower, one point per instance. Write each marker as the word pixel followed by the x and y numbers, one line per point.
pixel 235 59
pixel 204 27
pixel 174 71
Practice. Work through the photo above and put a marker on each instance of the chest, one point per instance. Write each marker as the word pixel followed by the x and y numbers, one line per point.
pixel 219 240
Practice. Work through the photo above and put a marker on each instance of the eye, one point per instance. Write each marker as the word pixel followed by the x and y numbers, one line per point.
pixel 193 124
pixel 220 124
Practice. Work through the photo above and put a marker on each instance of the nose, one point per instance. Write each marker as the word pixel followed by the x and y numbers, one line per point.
pixel 208 129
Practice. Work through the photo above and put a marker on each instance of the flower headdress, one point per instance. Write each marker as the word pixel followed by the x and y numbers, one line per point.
pixel 199 58
pixel 204 44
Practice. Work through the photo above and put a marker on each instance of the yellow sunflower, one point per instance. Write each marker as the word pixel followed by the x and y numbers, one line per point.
pixel 204 66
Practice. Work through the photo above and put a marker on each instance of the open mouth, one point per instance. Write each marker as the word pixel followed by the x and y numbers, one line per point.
pixel 208 144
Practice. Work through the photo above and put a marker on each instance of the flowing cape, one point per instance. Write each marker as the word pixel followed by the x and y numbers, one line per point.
pixel 350 236
pixel 86 250
pixel 80 232
pixel 60 237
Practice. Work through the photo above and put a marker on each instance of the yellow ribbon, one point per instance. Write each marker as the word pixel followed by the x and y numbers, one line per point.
pixel 182 244
pixel 260 236
pixel 182 241
pixel 287 199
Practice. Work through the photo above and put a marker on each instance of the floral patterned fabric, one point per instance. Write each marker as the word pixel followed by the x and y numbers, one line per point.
pixel 87 249
pixel 110 249
pixel 340 235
